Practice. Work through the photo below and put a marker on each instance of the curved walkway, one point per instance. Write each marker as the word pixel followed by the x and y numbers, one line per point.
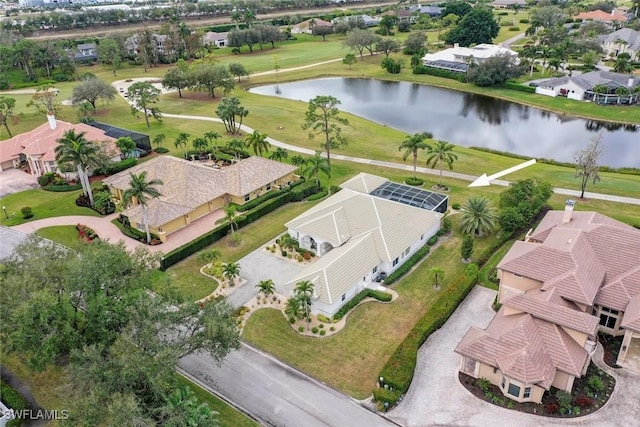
pixel 437 398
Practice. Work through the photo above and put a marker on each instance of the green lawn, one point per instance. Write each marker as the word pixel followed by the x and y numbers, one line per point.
pixel 66 235
pixel 491 264
pixel 44 204
pixel 228 415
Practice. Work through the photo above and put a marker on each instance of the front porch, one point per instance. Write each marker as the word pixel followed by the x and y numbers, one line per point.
pixel 629 356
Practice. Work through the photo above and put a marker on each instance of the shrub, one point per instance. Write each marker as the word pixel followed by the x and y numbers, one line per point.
pixel 292 320
pixel 414 181
pixel 519 87
pixel 26 212
pixel 113 168
pixel 314 329
pixel 284 253
pixel 259 200
pixel 455 206
pixel 12 399
pixel 446 225
pixel 514 28
pixel 306 255
pixel 383 395
pixel 393 66
pixel 421 69
pixel 432 240
pixel 380 296
pixel 334 189
pixel 86 232
pixel 551 408
pixel 321 325
pixel 595 383
pixel 524 21
pixel 323 318
pixel 404 268
pixel 300 258
pixel 484 384
pixel 322 193
pixel 300 328
pixel 323 332
pixel 62 188
pixel 161 150
pixel 564 401
pixel 46 179
pixel 333 328
pixel 584 402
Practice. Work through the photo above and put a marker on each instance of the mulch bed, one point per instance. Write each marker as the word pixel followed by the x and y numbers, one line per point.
pixel 549 406
pixel 611 347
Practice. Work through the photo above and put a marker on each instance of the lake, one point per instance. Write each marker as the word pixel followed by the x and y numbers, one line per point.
pixel 470 120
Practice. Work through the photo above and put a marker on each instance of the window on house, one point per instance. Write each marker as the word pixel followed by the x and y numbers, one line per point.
pixel 375 269
pixel 504 380
pixel 527 392
pixel 247 197
pixel 516 275
pixel 406 252
pixel 344 297
pixel 422 237
pixel 608 319
pixel 495 370
pixel 268 187
pixel 514 390
pixel 395 262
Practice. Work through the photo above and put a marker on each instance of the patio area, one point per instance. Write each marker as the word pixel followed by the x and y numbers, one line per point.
pixel 632 359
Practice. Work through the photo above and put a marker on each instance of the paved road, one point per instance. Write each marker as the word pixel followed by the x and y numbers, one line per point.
pixel 277 394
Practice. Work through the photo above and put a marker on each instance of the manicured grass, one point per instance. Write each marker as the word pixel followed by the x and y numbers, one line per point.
pixel 372 333
pixel 44 204
pixel 491 264
pixel 66 235
pixel 228 415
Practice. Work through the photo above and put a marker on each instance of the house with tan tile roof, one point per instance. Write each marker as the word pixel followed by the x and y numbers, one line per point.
pixel 191 190
pixel 359 233
pixel 37 147
pixel 576 274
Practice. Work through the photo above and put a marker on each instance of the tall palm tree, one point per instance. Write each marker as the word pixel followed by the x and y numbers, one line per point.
pixel 142 191
pixel 412 144
pixel 436 274
pixel 623 64
pixel 159 139
pixel 477 216
pixel 230 214
pixel 213 137
pixel 236 145
pixel 266 287
pixel 230 271
pixel 200 145
pixel 181 141
pixel 298 160
pixel 599 89
pixel 316 164
pixel 279 154
pixel 441 152
pixel 258 142
pixel 304 292
pixel 293 308
pixel 555 64
pixel 73 148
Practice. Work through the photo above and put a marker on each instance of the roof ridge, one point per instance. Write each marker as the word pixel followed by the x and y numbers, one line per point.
pixel 384 241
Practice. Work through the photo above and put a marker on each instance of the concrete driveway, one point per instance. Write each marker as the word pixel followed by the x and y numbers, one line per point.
pixel 437 398
pixel 260 265
pixel 16 180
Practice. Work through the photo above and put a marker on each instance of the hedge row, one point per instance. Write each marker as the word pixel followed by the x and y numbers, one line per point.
pixel 350 305
pixel 62 188
pixel 383 395
pixel 624 171
pixel 408 265
pixel 12 399
pixel 259 200
pixel 398 371
pixel 297 193
pixel 116 167
pixel 519 87
pixel 319 195
pixel 421 69
pixel 137 234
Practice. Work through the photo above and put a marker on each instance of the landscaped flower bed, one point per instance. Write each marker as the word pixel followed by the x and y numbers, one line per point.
pixel 611 347
pixel 87 234
pixel 590 392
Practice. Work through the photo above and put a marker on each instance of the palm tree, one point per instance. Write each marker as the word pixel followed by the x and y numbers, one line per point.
pixel 279 154
pixel 230 271
pixel 230 213
pixel 287 242
pixel 477 216
pixel 623 64
pixel 211 255
pixel 412 144
pixel 316 164
pixel 441 152
pixel 293 308
pixel 236 145
pixel 213 137
pixel 200 145
pixel 436 273
pixel 181 141
pixel 141 190
pixel 598 89
pixel 298 160
pixel 258 142
pixel 555 64
pixel 159 139
pixel 73 148
pixel 304 292
pixel 266 287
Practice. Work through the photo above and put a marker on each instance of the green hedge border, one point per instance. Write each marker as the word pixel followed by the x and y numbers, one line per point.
pixel 62 188
pixel 13 400
pixel 398 372
pixel 353 302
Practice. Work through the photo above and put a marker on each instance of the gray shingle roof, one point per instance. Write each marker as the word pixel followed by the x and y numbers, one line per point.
pixel 629 36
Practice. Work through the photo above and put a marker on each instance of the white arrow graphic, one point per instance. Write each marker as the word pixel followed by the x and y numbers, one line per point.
pixel 485 180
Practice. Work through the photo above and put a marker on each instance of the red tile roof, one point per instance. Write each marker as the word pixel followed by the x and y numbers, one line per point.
pixel 599 15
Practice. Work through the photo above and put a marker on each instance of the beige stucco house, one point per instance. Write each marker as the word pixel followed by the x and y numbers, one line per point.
pixel 576 274
pixel 192 189
pixel 37 147
pixel 371 226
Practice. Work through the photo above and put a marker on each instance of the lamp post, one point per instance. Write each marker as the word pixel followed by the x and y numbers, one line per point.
pixel 4 208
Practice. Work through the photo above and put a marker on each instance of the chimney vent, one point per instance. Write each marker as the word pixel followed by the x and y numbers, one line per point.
pixel 52 121
pixel 568 210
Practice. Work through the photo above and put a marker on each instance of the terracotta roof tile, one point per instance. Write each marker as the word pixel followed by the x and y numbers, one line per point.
pixel 631 318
